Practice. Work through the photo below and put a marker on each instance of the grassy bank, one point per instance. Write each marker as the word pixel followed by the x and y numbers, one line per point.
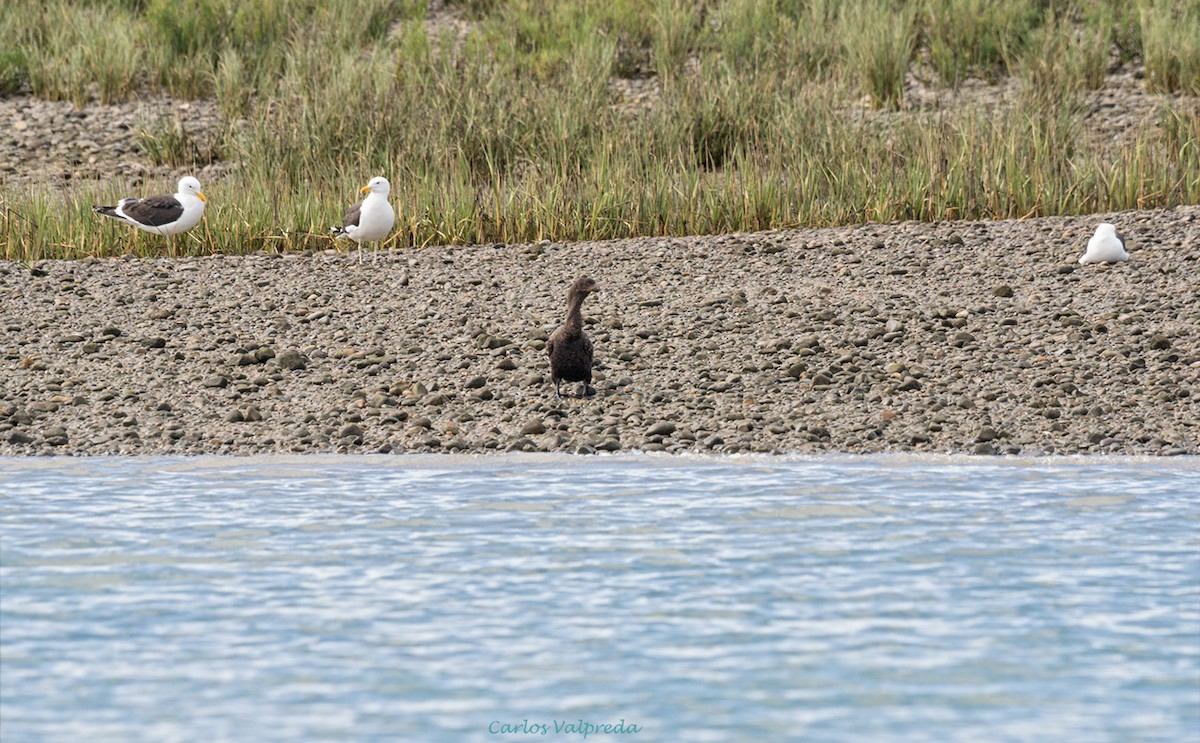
pixel 508 125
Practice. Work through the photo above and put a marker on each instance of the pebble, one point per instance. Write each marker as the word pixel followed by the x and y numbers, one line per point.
pixel 51 141
pixel 711 354
pixel 986 433
pixel 661 428
pixel 291 359
pixel 533 428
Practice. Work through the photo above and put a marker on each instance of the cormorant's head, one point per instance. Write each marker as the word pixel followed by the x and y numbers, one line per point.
pixel 583 286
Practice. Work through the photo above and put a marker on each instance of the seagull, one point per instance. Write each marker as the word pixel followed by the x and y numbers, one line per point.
pixel 162 215
pixel 369 220
pixel 569 348
pixel 1106 246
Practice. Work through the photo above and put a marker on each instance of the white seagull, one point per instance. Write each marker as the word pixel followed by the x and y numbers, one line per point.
pixel 371 219
pixel 162 215
pixel 1106 246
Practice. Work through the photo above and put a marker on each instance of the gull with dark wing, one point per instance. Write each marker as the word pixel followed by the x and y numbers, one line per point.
pixel 162 215
pixel 371 219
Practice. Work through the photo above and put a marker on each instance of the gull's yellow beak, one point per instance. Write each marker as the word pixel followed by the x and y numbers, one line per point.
pixel 365 190
pixel 201 197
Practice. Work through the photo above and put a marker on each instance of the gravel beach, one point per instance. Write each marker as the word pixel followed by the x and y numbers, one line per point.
pixel 981 337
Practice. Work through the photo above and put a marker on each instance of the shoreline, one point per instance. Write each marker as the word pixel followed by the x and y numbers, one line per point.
pixel 955 337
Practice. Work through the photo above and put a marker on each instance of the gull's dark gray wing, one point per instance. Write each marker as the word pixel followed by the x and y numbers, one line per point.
pixel 1120 239
pixel 154 211
pixel 352 216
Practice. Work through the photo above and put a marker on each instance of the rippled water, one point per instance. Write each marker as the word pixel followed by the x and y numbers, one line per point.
pixel 429 599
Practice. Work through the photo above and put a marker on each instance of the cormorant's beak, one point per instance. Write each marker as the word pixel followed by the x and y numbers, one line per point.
pixel 201 197
pixel 365 190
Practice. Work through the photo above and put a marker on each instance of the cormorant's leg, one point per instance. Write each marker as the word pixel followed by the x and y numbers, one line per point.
pixel 557 391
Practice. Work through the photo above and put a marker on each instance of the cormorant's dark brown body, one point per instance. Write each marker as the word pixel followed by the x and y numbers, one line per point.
pixel 569 347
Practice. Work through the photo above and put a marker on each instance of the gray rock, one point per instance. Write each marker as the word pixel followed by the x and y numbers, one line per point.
pixel 533 428
pixel 521 444
pixel 661 428
pixel 291 359
pixel 986 433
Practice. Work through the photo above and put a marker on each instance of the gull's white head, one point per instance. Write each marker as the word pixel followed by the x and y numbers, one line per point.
pixel 378 185
pixel 190 186
pixel 1105 228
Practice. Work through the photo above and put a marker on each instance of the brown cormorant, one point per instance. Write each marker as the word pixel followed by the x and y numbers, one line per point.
pixel 569 347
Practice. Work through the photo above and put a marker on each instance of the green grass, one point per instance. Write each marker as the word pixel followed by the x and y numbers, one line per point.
pixel 1171 45
pixel 879 41
pixel 976 37
pixel 511 133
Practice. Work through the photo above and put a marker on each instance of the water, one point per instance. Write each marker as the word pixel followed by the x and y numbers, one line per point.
pixel 430 599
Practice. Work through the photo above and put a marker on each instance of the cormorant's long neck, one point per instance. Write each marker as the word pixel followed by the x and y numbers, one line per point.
pixel 574 322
